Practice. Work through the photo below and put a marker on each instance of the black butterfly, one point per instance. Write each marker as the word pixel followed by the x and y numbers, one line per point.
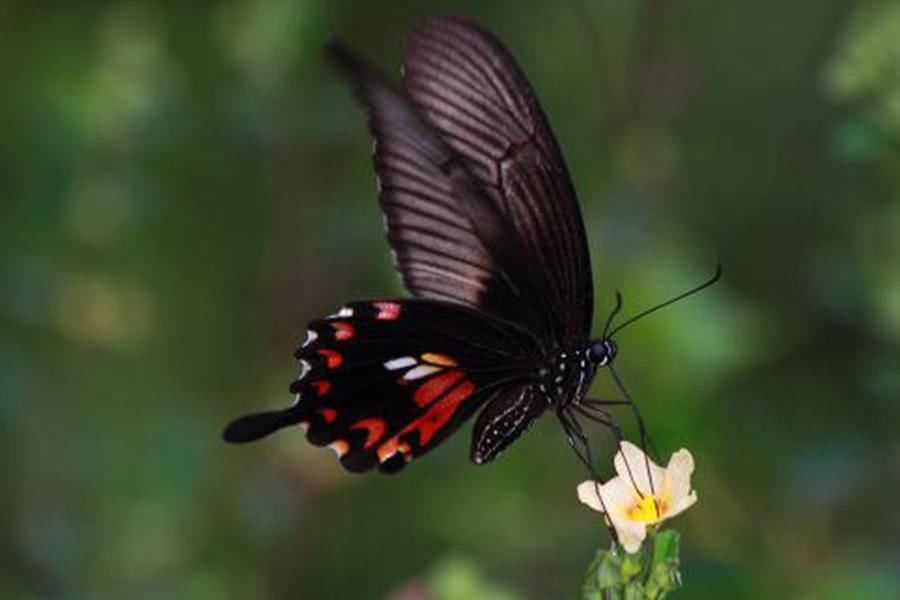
pixel 486 232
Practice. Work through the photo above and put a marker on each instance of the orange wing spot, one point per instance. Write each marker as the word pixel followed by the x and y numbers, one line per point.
pixel 342 330
pixel 440 413
pixel 392 447
pixel 439 359
pixel 340 447
pixel 374 427
pixel 333 358
pixel 323 386
pixel 387 311
pixel 329 414
pixel 429 391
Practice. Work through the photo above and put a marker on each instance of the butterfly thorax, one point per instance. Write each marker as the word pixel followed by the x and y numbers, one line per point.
pixel 566 377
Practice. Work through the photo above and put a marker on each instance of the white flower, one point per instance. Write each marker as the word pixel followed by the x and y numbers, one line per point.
pixel 632 503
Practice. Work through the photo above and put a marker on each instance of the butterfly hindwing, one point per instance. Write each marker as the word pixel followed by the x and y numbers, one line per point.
pixel 385 381
pixel 503 420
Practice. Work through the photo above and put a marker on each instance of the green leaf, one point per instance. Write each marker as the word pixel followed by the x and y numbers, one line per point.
pixel 664 576
pixel 609 572
pixel 635 591
pixel 632 565
pixel 649 574
pixel 604 577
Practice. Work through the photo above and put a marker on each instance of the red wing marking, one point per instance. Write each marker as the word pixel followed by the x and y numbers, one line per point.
pixel 392 447
pixel 431 422
pixel 429 391
pixel 375 429
pixel 329 414
pixel 387 311
pixel 333 358
pixel 323 386
pixel 439 359
pixel 342 330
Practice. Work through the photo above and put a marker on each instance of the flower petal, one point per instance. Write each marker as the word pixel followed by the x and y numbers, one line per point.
pixel 631 533
pixel 681 505
pixel 631 465
pixel 618 495
pixel 587 493
pixel 677 486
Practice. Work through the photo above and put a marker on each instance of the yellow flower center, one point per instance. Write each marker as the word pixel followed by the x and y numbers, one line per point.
pixel 648 509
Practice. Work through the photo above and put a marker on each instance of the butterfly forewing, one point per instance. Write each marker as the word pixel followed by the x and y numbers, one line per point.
pixel 469 88
pixel 450 241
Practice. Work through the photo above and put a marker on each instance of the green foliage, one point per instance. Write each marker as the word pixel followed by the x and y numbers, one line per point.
pixel 460 579
pixel 865 70
pixel 649 574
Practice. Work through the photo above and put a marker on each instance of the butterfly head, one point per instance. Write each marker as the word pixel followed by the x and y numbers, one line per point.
pixel 602 351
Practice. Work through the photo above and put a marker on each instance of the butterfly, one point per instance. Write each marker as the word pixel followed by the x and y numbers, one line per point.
pixel 485 229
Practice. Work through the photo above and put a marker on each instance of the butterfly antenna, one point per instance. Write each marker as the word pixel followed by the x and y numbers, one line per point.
pixel 613 313
pixel 690 292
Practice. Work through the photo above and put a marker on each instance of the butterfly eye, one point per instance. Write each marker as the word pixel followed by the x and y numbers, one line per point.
pixel 611 349
pixel 602 352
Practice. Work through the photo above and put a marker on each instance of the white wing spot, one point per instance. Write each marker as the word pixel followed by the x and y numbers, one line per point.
pixel 399 363
pixel 310 337
pixel 304 369
pixel 420 372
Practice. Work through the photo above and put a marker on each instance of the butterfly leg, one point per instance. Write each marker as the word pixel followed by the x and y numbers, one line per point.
pixel 590 409
pixel 596 411
pixel 577 439
pixel 608 419
pixel 580 443
pixel 646 442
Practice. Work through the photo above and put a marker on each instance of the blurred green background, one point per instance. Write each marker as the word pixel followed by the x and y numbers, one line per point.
pixel 184 185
